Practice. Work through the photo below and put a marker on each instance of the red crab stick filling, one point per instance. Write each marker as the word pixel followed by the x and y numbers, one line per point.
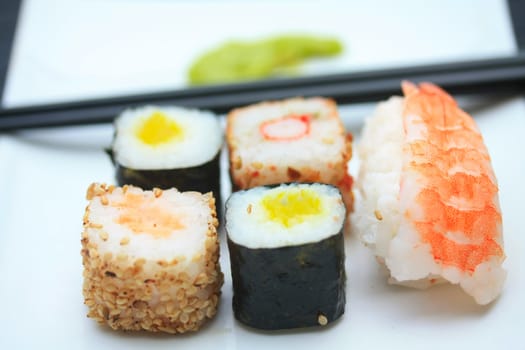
pixel 288 128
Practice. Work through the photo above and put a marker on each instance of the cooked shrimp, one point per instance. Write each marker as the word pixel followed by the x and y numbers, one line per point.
pixel 447 222
pixel 460 216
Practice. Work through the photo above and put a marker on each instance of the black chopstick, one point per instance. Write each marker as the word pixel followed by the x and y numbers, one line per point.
pixel 497 75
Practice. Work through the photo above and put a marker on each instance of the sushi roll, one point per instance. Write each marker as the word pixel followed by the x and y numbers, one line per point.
pixel 287 255
pixel 164 147
pixel 429 197
pixel 294 140
pixel 151 258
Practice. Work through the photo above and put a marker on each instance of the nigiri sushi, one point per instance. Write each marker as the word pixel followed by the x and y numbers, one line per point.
pixel 429 197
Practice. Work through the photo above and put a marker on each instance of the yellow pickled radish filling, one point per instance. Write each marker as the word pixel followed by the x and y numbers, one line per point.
pixel 292 207
pixel 158 129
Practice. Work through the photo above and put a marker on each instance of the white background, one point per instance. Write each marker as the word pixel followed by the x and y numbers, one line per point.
pixel 70 49
pixel 44 173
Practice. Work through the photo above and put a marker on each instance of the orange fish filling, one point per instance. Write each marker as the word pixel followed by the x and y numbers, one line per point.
pixel 142 217
pixel 453 200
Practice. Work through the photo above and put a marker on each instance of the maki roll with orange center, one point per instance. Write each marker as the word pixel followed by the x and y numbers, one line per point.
pixel 287 255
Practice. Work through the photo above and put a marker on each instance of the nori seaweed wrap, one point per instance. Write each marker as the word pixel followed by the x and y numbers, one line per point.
pixel 201 178
pixel 164 147
pixel 286 248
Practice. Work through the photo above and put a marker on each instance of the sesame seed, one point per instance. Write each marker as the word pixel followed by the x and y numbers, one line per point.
pixel 160 309
pixel 378 215
pixel 110 287
pixel 122 256
pixel 200 315
pixel 170 307
pixel 210 311
pixel 184 318
pixel 140 262
pixel 200 279
pixel 180 294
pixel 103 235
pixel 322 320
pixel 124 240
pixel 121 301
pixel 165 297
pixel 183 303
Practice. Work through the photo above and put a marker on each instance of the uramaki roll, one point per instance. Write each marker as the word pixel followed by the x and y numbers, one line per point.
pixel 294 140
pixel 151 258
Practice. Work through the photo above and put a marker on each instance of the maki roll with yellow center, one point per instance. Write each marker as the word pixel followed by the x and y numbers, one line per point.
pixel 164 147
pixel 287 255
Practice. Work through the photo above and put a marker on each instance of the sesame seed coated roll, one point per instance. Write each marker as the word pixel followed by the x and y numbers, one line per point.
pixel 150 258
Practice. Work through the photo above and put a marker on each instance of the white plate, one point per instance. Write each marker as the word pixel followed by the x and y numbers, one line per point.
pixel 43 178
pixel 72 49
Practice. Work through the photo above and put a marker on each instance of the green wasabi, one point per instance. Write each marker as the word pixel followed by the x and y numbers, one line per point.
pixel 239 60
